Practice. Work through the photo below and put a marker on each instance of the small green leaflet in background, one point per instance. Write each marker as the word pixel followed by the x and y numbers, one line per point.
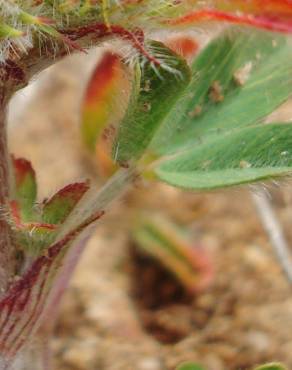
pixel 226 142
pixel 160 88
pixel 241 156
pixel 160 238
pixel 190 366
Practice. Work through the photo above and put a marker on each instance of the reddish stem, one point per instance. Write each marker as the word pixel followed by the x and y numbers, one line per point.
pixel 6 258
pixel 11 77
pixel 101 30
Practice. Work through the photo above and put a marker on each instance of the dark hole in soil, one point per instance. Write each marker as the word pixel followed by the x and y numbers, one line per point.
pixel 167 310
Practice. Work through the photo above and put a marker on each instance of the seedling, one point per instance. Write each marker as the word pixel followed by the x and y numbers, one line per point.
pixel 231 86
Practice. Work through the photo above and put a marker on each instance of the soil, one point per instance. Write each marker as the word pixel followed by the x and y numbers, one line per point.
pixel 112 316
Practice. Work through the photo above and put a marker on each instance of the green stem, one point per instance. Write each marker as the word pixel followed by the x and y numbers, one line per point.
pixel 95 200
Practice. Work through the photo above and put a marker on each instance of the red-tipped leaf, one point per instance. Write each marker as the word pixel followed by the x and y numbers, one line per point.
pixel 57 208
pixel 102 99
pixel 25 188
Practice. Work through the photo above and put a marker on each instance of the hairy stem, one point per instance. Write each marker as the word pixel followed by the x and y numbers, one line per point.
pixel 12 78
pixel 6 257
pixel 14 75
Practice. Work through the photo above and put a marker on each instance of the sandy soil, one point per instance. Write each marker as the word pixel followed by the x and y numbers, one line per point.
pixel 243 319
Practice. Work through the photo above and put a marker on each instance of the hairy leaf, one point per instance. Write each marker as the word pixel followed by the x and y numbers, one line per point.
pixel 238 79
pixel 160 86
pixel 234 158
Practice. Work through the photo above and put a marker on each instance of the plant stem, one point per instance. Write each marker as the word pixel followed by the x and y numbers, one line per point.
pixel 274 230
pixel 99 200
pixel 6 252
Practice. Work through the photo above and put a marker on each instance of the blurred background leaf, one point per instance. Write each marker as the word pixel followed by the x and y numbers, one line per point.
pixel 271 366
pixel 190 366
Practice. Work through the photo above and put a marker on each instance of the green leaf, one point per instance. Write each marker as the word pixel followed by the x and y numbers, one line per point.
pixel 190 366
pixel 25 188
pixel 238 79
pixel 160 88
pixel 56 209
pixel 242 156
pixel 271 366
pixel 34 238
